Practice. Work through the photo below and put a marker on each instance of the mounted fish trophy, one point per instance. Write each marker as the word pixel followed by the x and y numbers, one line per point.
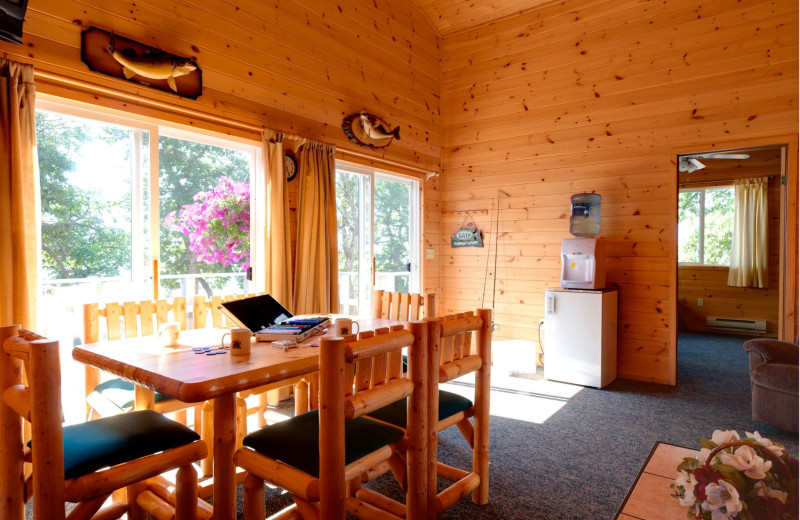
pixel 127 59
pixel 369 130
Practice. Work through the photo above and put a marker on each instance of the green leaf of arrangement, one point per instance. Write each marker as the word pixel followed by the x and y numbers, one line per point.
pixel 733 476
pixel 689 464
pixel 710 445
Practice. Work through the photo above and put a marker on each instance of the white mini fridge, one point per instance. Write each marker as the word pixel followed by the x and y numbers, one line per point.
pixel 580 336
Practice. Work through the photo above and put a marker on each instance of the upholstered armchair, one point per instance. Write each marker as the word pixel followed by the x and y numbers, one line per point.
pixel 774 379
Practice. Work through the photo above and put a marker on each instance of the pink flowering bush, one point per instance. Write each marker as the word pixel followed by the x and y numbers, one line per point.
pixel 750 478
pixel 217 224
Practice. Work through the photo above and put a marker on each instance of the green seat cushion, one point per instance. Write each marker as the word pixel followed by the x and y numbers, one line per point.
pixel 109 441
pixel 121 393
pixel 395 413
pixel 296 440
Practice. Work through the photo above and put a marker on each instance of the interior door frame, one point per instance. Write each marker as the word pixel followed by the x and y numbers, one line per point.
pixel 787 305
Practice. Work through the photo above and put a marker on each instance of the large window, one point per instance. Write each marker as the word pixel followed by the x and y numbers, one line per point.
pixel 705 225
pixel 117 195
pixel 378 220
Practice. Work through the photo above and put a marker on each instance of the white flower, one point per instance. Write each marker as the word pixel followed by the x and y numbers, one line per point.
pixel 774 447
pixel 745 459
pixel 763 490
pixel 722 500
pixel 720 436
pixel 688 482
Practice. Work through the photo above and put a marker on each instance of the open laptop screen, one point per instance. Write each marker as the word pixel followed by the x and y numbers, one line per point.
pixel 256 312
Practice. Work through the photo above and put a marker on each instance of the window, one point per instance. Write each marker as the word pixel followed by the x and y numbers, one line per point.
pixel 117 194
pixel 705 225
pixel 378 220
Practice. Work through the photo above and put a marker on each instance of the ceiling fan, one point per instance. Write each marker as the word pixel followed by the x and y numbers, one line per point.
pixel 690 163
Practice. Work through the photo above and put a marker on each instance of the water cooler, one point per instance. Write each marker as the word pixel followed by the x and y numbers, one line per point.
pixel 580 322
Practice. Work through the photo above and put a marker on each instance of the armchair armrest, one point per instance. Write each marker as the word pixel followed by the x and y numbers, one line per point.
pixel 771 351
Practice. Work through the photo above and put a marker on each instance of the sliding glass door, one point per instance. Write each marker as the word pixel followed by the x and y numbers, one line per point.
pixel 378 221
pixel 119 196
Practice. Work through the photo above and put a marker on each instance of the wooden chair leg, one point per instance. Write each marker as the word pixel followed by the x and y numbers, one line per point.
pixel 300 397
pixel 241 421
pixel 135 512
pixel 262 409
pixel 182 417
pixel 254 498
pixel 186 493
pixel 307 510
pixel 467 431
pixel 313 391
pixel 207 434
pixel 198 419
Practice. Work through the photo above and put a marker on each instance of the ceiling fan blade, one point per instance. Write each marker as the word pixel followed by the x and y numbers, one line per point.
pixel 721 156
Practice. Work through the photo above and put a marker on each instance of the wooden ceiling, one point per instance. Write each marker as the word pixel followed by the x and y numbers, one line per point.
pixel 449 16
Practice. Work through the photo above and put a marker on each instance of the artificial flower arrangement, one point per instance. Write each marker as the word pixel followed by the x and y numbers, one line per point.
pixel 748 479
pixel 217 224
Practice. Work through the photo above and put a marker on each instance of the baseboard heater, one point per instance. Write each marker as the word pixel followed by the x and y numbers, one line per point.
pixel 759 326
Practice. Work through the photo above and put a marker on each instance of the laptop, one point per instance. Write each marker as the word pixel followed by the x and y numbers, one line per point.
pixel 271 321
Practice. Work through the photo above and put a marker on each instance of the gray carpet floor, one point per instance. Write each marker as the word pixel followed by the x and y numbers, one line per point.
pixel 579 463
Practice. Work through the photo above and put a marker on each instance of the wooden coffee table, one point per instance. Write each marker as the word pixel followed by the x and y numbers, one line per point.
pixel 649 497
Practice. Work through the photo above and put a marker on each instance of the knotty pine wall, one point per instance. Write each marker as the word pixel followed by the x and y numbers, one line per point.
pixel 298 66
pixel 711 282
pixel 600 96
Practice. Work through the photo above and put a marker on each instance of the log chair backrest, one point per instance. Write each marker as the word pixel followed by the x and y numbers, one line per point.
pixel 402 306
pixel 379 381
pixel 132 319
pixel 203 306
pixel 457 349
pixel 39 403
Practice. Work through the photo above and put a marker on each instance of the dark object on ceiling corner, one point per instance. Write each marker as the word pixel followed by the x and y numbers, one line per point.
pixel 12 15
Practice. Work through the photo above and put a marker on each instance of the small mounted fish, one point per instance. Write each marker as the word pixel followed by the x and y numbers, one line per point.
pixel 140 63
pixel 369 130
pixel 152 64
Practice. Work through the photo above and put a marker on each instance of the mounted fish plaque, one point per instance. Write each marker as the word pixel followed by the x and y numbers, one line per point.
pixel 467 237
pixel 111 54
pixel 369 130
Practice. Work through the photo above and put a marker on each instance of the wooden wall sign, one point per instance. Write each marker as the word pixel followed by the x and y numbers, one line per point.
pixel 467 237
pixel 139 63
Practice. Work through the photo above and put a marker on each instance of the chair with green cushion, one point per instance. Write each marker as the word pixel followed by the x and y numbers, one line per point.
pixel 132 319
pixel 450 348
pixel 83 463
pixel 321 457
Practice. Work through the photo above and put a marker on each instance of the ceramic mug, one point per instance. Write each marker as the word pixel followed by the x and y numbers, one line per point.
pixel 240 341
pixel 169 334
pixel 344 327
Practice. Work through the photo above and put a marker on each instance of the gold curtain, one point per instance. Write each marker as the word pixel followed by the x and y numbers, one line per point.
pixel 19 202
pixel 750 234
pixel 277 244
pixel 316 287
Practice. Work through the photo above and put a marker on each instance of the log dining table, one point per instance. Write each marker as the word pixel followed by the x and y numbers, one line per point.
pixel 180 373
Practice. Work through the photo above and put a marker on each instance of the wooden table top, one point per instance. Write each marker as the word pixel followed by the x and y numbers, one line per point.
pixel 182 374
pixel 649 497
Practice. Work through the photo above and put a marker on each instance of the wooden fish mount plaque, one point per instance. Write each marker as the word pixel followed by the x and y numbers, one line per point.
pixel 369 130
pixel 140 63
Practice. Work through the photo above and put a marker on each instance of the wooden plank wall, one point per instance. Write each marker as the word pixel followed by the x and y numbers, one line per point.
pixel 711 282
pixel 299 66
pixel 597 95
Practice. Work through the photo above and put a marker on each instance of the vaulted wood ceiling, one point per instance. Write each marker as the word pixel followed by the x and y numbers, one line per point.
pixel 449 16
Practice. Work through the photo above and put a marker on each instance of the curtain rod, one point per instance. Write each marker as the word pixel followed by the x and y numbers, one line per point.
pixel 65 80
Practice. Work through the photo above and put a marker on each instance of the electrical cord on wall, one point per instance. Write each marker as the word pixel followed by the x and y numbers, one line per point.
pixel 541 343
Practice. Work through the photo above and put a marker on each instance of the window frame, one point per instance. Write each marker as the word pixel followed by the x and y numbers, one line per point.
pixel 156 129
pixel 702 223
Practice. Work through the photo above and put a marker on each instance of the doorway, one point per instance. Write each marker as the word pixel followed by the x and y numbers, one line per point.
pixel 708 303
pixel 378 226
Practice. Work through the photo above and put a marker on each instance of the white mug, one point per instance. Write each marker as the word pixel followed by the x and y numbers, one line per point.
pixel 169 334
pixel 344 327
pixel 240 341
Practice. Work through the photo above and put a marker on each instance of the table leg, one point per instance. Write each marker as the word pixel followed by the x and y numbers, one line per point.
pixel 224 468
